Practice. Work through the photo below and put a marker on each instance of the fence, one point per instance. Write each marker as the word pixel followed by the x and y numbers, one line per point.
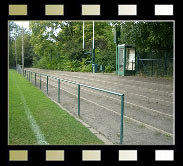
pixel 156 67
pixel 159 63
pixel 29 74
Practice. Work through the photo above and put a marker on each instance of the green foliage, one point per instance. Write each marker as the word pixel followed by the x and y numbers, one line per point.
pixel 147 36
pixel 71 65
pixel 86 68
pixel 42 63
pixel 59 44
pixel 68 44
pixel 109 69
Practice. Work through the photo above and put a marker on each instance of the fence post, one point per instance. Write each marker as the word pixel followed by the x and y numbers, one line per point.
pixel 138 65
pixel 58 90
pixel 40 80
pixel 152 67
pixel 35 79
pixel 165 63
pixel 132 65
pixel 47 84
pixel 121 123
pixel 78 100
pixel 29 75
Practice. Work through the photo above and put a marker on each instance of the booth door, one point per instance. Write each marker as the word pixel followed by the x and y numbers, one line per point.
pixel 130 58
pixel 120 61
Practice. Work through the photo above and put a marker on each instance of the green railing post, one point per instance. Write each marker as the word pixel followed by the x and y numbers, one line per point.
pixel 40 80
pixel 152 68
pixel 116 59
pixel 29 75
pixel 78 100
pixel 47 84
pixel 121 125
pixel 35 79
pixel 58 90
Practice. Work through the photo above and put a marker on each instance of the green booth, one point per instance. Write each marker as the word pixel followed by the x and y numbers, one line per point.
pixel 125 60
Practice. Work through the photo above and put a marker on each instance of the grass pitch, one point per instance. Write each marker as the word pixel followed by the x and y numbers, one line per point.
pixel 33 118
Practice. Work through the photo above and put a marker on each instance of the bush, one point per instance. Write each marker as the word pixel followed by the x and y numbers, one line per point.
pixel 70 66
pixel 109 69
pixel 42 63
pixel 170 69
pixel 86 68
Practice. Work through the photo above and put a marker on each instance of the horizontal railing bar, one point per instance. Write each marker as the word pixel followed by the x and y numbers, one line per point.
pixel 87 86
pixel 150 59
pixel 103 90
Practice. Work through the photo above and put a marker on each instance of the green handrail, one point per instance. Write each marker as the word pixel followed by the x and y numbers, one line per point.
pixel 87 86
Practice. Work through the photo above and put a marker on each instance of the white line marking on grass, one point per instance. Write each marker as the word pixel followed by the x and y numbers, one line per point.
pixel 35 128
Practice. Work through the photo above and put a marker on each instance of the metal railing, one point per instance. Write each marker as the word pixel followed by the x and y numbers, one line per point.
pixel 28 74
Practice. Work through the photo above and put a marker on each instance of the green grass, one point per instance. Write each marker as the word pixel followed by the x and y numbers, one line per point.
pixel 57 125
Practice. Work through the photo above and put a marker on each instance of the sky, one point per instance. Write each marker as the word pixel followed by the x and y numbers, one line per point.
pixel 24 23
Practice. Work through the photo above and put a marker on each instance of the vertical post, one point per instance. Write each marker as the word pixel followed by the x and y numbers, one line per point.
pixel 35 79
pixel 15 50
pixel 40 80
pixel 116 58
pixel 93 48
pixel 124 61
pixel 29 75
pixel 121 123
pixel 58 90
pixel 165 63
pixel 132 65
pixel 78 100
pixel 22 47
pixel 137 66
pixel 152 67
pixel 47 84
pixel 83 35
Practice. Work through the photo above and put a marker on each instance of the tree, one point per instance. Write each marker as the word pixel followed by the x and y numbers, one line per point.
pixel 58 44
pixel 28 51
pixel 65 46
pixel 147 36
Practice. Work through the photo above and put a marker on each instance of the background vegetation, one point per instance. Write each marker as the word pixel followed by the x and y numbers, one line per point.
pixel 59 44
